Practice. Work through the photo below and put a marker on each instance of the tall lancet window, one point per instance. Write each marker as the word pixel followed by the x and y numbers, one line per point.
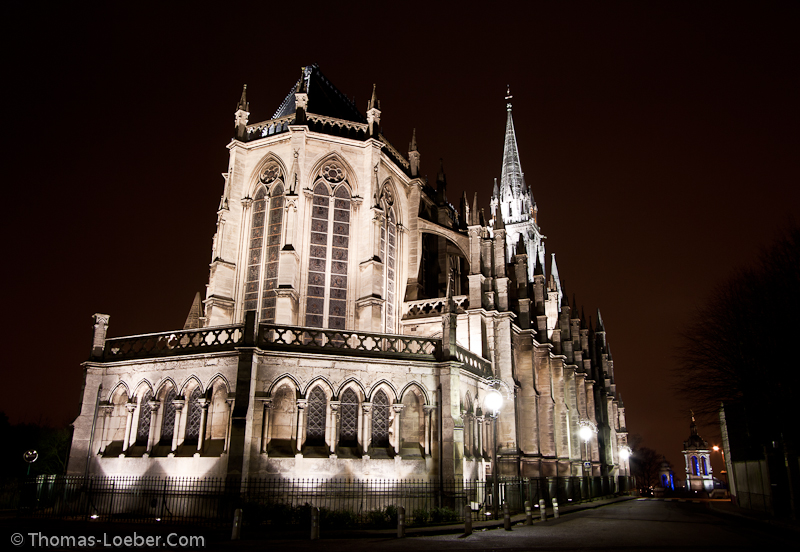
pixel 143 431
pixel 168 418
pixel 389 257
pixel 317 412
pixel 380 420
pixel 348 429
pixel 193 416
pixel 326 294
pixel 261 280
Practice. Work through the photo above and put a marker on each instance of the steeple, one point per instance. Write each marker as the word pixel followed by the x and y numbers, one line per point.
pixel 374 113
pixel 554 274
pixel 513 193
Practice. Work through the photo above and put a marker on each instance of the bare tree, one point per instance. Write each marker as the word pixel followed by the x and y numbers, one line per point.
pixel 741 346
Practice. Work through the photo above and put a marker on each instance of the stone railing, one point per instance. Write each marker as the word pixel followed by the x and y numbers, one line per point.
pixel 433 307
pixel 267 128
pixel 474 363
pixel 333 121
pixel 348 343
pixel 181 342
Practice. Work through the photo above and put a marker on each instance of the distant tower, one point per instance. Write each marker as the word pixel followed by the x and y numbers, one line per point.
pixel 698 461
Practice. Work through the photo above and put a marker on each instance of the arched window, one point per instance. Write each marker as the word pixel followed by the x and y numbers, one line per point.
pixel 326 293
pixel 168 418
pixel 348 412
pixel 193 416
pixel 380 420
pixel 317 411
pixel 695 471
pixel 266 229
pixel 143 431
pixel 703 464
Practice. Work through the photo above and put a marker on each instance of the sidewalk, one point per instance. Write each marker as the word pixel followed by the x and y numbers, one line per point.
pixel 476 525
pixel 727 508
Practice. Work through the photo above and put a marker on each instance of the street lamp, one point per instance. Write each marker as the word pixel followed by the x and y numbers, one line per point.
pixel 493 402
pixel 586 431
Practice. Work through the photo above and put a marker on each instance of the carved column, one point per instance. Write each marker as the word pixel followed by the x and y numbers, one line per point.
pixel 397 409
pixel 481 421
pixel 428 410
pixel 178 403
pixel 301 423
pixel 105 411
pixel 265 428
pixel 334 426
pixel 203 417
pixel 130 407
pixel 151 436
pixel 229 404
pixel 366 427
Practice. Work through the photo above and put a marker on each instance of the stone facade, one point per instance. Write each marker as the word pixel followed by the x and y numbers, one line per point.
pixel 697 455
pixel 353 324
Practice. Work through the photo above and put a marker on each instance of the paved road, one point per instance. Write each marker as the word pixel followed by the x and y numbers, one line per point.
pixel 632 525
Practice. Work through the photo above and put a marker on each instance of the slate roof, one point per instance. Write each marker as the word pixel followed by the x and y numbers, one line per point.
pixel 323 98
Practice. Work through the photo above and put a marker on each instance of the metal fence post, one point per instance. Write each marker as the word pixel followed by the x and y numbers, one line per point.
pixel 542 510
pixel 314 523
pixel 555 507
pixel 528 514
pixel 467 519
pixel 506 517
pixel 236 533
pixel 401 522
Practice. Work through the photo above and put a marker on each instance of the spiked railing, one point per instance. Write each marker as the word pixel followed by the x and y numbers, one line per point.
pixel 181 342
pixel 346 342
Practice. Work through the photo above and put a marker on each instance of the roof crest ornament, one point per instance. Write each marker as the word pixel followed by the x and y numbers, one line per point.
pixel 508 97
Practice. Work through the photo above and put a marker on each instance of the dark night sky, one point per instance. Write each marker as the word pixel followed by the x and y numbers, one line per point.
pixel 660 141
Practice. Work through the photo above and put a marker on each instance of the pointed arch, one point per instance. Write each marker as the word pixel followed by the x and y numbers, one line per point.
pixel 417 387
pixel 163 387
pixel 388 386
pixel 145 419
pixel 381 414
pixel 258 175
pixel 187 384
pixel 412 421
pixel 317 414
pixel 352 382
pixel 320 380
pixel 349 416
pixel 221 379
pixel 285 378
pixel 120 386
pixel 143 387
pixel 349 174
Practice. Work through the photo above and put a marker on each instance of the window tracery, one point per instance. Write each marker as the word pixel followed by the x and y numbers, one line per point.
pixel 326 293
pixel 380 420
pixel 168 418
pixel 317 411
pixel 261 280
pixel 348 432
pixel 193 416
pixel 389 256
pixel 143 431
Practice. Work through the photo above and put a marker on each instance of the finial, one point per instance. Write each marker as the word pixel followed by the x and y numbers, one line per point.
pixel 508 97
pixel 301 85
pixel 413 145
pixel 243 105
pixel 373 101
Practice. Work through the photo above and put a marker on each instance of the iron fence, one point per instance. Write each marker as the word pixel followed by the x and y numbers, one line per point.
pixel 287 502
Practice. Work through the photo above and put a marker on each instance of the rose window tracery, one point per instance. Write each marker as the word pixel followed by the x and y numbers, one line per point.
pixel 270 173
pixel 332 173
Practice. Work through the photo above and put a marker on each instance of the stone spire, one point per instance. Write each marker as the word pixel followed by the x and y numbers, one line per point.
pixel 513 192
pixel 554 275
pixel 413 155
pixel 374 112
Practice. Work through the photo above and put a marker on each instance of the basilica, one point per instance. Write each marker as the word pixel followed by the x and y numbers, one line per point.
pixel 354 324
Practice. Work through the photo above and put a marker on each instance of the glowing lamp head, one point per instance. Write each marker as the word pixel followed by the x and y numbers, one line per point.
pixel 624 453
pixel 716 448
pixel 585 433
pixel 493 401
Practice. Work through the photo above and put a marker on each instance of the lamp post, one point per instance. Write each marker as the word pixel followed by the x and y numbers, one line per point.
pixel 493 403
pixel 624 455
pixel 587 430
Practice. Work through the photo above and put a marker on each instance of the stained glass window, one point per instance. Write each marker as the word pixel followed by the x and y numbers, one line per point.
pixel 168 418
pixel 337 302
pixel 694 466
pixel 273 248
pixel 318 257
pixel 380 420
pixel 315 431
pixel 143 431
pixel 348 421
pixel 193 416
pixel 254 257
pixel 390 271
